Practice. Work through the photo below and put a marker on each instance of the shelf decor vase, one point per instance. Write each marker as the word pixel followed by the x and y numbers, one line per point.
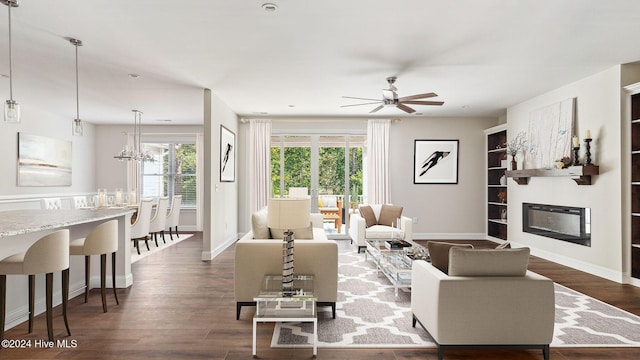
pixel 514 163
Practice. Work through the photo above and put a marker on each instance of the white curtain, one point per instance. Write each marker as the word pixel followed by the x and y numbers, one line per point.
pixel 378 161
pixel 199 181
pixel 259 163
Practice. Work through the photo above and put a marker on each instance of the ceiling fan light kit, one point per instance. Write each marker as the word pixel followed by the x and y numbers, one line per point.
pixel 390 99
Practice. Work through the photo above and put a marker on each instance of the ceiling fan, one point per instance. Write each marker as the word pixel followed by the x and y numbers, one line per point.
pixel 390 98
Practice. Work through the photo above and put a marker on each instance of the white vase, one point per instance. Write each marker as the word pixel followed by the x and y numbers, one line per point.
pixel 503 180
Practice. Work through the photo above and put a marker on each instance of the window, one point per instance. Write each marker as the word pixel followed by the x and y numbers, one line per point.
pixel 172 173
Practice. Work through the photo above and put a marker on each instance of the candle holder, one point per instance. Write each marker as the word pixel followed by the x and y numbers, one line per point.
pixel 588 152
pixel 576 161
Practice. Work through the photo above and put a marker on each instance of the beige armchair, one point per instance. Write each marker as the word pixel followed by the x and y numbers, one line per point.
pixel 488 299
pixel 378 226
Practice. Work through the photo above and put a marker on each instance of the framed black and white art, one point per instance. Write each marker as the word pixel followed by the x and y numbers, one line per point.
pixel 435 162
pixel 227 155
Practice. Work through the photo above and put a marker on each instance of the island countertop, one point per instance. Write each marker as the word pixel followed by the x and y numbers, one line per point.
pixel 17 222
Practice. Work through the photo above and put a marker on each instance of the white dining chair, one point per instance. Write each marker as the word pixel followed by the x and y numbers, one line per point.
pixel 102 240
pixel 80 202
pixel 159 219
pixel 51 203
pixel 173 217
pixel 47 255
pixel 140 227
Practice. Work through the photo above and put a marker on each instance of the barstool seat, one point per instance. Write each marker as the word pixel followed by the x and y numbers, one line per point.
pixel 47 255
pixel 102 240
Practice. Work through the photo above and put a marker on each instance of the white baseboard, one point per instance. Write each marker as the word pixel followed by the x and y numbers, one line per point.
pixel 210 255
pixel 592 269
pixel 448 236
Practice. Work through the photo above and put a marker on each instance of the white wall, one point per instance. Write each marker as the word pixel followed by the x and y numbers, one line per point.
pixel 598 108
pixel 444 211
pixel 38 121
pixel 221 198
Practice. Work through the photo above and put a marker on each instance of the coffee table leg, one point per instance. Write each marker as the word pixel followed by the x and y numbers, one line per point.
pixel 254 336
pixel 315 337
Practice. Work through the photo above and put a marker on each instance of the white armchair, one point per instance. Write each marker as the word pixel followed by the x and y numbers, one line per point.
pixel 360 232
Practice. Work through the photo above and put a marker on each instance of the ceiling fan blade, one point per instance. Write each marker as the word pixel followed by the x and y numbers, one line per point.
pixel 405 108
pixel 376 109
pixel 423 102
pixel 359 98
pixel 418 96
pixel 377 102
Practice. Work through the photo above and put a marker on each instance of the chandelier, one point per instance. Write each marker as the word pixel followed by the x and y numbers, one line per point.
pixel 135 153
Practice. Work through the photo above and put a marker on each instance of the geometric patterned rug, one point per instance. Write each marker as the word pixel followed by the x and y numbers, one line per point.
pixel 368 314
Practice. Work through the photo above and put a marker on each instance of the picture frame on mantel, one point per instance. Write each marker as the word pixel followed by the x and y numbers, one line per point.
pixel 435 161
pixel 227 155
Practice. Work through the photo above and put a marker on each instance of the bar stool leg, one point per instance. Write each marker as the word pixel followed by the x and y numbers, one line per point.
pixel 103 280
pixel 87 277
pixel 65 297
pixel 49 290
pixel 113 276
pixel 3 296
pixel 32 291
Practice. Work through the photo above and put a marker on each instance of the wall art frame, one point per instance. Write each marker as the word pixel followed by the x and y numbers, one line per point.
pixel 227 155
pixel 435 161
pixel 43 161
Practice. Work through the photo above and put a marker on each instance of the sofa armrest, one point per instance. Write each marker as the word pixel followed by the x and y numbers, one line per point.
pixel 459 310
pixel 357 226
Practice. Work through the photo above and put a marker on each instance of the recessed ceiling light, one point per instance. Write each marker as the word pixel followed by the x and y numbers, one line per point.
pixel 291 106
pixel 164 120
pixel 260 113
pixel 270 7
pixel 132 75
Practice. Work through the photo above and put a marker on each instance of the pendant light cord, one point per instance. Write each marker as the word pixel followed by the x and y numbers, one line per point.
pixel 9 5
pixel 77 86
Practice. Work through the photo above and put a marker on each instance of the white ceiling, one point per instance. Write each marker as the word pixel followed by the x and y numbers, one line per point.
pixel 479 56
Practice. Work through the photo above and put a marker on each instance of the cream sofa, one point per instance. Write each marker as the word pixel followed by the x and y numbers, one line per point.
pixel 360 232
pixel 255 258
pixel 489 299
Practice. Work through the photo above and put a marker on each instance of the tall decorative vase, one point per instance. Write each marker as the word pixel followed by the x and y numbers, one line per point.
pixel 514 163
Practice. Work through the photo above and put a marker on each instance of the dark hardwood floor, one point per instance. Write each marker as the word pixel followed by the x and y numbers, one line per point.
pixel 183 308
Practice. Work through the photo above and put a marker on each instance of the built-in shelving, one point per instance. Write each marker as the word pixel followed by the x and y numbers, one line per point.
pixel 581 174
pixel 635 179
pixel 496 140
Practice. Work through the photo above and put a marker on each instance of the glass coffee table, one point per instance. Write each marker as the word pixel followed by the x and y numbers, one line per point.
pixel 272 305
pixel 395 263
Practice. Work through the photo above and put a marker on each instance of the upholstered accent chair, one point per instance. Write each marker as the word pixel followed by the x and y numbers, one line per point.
pixel 379 221
pixel 487 299
pixel 51 203
pixel 173 217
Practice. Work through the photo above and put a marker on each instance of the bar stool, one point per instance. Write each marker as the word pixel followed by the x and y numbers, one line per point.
pixel 102 240
pixel 45 256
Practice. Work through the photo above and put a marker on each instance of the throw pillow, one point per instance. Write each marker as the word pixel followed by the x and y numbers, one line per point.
pixel 367 214
pixel 439 253
pixel 389 215
pixel 298 234
pixel 488 262
pixel 259 224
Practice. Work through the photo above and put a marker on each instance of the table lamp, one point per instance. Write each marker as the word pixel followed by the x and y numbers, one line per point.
pixel 288 213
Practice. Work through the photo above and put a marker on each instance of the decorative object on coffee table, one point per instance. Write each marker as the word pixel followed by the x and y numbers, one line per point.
pixel 288 213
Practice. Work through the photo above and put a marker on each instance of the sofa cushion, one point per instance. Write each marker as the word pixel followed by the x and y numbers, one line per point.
pixel 488 262
pixel 383 232
pixel 367 214
pixel 389 215
pixel 439 253
pixel 259 226
pixel 298 234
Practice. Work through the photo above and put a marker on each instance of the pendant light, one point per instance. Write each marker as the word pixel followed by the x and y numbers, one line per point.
pixel 11 107
pixel 135 154
pixel 77 126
